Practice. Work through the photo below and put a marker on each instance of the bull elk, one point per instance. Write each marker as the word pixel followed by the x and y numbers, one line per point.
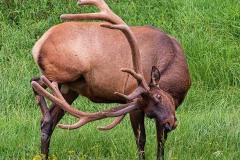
pixel 141 68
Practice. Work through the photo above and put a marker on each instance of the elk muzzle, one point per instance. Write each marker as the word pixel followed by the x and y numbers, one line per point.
pixel 170 124
pixel 167 120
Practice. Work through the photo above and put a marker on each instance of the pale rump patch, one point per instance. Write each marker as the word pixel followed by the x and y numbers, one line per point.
pixel 36 48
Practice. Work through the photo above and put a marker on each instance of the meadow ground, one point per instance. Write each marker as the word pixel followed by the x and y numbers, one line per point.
pixel 209 32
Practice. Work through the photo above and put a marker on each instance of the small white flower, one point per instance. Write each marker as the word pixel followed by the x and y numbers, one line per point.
pixel 217 153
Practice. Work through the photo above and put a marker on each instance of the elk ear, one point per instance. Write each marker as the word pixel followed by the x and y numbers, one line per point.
pixel 155 76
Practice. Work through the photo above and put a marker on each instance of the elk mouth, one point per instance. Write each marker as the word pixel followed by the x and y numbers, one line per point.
pixel 167 127
pixel 150 114
pixel 167 124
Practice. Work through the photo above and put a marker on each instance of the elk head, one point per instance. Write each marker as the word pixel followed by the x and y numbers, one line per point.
pixel 155 102
pixel 159 104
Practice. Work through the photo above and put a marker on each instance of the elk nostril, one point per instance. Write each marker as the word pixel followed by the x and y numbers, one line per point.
pixel 167 127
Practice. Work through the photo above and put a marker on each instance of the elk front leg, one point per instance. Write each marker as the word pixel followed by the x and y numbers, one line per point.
pixel 161 139
pixel 137 122
pixel 51 116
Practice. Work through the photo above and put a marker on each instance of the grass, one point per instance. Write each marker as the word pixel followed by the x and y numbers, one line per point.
pixel 209 32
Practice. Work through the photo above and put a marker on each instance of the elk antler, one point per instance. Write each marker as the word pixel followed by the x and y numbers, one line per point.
pixel 118 111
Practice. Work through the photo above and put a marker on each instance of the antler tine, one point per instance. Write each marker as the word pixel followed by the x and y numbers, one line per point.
pixel 113 124
pixel 105 13
pixel 83 116
pixel 141 81
pixel 52 86
pixel 138 91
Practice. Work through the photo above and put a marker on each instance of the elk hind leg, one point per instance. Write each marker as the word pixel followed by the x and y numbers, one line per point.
pixel 51 116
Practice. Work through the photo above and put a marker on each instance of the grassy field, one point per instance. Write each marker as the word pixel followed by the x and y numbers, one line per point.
pixel 209 31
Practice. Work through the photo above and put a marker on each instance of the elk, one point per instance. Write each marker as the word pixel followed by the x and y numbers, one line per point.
pixel 141 68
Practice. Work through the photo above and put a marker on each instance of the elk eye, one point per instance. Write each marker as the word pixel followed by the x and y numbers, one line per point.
pixel 159 96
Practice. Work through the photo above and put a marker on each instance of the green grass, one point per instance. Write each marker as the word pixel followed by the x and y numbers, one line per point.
pixel 209 32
